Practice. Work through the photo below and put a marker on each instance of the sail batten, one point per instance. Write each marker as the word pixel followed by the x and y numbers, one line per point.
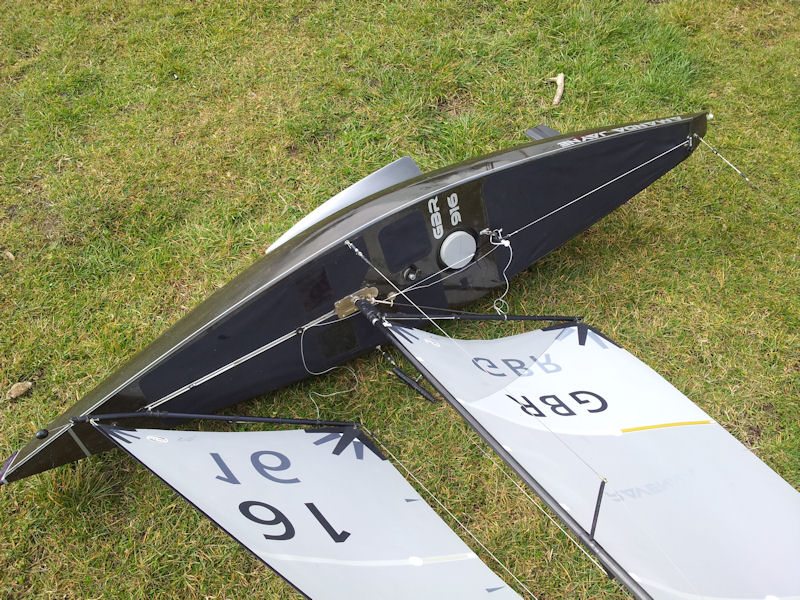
pixel 686 510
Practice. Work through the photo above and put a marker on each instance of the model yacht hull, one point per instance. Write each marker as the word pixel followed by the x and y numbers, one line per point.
pixel 435 236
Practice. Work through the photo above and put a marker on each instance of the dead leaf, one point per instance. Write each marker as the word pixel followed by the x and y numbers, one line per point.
pixel 18 389
pixel 9 256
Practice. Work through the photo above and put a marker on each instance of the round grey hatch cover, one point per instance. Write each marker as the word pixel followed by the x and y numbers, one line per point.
pixel 457 249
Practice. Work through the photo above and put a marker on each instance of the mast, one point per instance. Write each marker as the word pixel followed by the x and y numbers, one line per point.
pixel 611 566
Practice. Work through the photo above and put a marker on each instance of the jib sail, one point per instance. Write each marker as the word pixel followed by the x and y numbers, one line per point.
pixel 322 508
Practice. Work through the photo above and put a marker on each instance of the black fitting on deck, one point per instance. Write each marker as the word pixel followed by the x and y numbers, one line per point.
pixel 369 310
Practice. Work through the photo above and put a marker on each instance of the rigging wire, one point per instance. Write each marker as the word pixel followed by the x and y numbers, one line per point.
pixel 500 304
pixel 449 512
pixel 329 369
pixel 422 283
pixel 727 162
pixel 235 363
pixel 457 344
pixel 426 282
pixel 496 239
pixel 599 187
pixel 403 293
pixel 58 430
pixel 453 313
pixel 318 322
pixel 550 517
pixel 533 501
pixel 507 243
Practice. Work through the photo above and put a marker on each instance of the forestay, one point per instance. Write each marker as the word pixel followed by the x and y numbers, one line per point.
pixel 322 508
pixel 687 511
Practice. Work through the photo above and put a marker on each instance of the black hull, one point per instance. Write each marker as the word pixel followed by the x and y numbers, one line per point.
pixel 243 342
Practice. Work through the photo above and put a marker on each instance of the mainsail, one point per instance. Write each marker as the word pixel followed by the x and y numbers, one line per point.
pixel 671 503
pixel 322 508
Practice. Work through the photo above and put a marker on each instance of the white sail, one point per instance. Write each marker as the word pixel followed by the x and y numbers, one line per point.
pixel 687 511
pixel 322 509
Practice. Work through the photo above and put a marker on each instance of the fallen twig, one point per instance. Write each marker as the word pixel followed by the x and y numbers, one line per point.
pixel 559 81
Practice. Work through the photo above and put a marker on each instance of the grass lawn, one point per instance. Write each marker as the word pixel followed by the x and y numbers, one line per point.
pixel 148 153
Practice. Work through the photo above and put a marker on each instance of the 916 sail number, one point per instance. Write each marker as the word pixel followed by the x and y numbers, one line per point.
pixel 266 514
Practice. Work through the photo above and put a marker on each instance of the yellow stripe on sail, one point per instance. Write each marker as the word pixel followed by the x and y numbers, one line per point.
pixel 665 425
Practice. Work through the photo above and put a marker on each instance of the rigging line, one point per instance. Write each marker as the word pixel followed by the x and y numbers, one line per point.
pixel 235 363
pixel 533 501
pixel 463 351
pixel 302 332
pixel 310 372
pixel 599 187
pixel 397 289
pixel 500 305
pixel 58 430
pixel 315 254
pixel 52 434
pixel 556 435
pixel 422 283
pixel 288 336
pixel 643 530
pixel 452 516
pixel 458 313
pixel 481 317
pixel 553 520
pixel 754 185
pixel 435 308
pixel 458 345
pixel 729 163
pixel 266 284
pixel 687 142
pixel 316 406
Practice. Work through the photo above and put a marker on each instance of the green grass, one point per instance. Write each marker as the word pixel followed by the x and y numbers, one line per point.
pixel 149 152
